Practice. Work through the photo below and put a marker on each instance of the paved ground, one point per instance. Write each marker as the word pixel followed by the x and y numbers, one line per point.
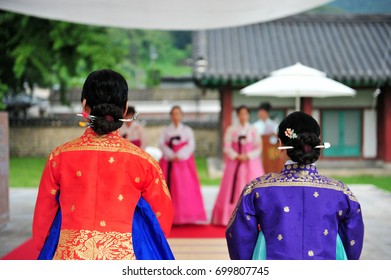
pixel 376 207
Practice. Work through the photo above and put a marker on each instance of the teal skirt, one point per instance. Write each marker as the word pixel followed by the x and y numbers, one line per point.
pixel 259 252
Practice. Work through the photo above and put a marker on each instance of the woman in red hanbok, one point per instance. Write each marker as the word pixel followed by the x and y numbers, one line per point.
pixel 178 165
pixel 242 148
pixel 91 186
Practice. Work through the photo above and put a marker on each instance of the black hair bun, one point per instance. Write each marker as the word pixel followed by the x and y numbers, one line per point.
pixel 304 138
pixel 106 118
pixel 304 151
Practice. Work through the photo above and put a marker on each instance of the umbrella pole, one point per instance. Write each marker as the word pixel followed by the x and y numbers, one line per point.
pixel 297 103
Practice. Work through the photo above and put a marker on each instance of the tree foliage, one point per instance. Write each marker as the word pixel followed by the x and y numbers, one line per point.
pixel 47 53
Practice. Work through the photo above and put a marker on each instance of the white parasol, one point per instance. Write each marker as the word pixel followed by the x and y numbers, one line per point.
pixel 298 81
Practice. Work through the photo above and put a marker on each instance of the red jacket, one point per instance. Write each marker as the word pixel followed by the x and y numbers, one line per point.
pixel 100 180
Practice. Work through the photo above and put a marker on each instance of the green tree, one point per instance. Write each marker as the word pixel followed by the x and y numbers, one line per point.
pixel 40 52
pixel 45 53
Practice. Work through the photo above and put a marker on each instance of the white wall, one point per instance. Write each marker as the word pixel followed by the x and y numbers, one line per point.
pixel 370 134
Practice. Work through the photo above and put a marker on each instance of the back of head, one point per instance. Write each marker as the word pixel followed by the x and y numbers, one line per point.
pixel 106 93
pixel 302 132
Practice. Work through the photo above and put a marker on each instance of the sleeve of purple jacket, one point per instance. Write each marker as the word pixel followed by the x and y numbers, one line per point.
pixel 351 230
pixel 242 230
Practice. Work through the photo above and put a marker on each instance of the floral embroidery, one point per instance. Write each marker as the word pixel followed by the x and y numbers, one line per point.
pixel 111 142
pixel 292 176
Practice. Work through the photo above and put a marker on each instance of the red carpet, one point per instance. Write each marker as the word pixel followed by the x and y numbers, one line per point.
pixel 26 251
pixel 197 231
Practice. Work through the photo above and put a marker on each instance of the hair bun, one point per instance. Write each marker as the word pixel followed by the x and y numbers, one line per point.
pixel 107 118
pixel 304 148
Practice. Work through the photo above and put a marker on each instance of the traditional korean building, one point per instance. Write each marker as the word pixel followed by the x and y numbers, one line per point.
pixel 352 49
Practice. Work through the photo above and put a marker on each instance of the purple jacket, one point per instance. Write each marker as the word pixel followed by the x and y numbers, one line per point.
pixel 300 214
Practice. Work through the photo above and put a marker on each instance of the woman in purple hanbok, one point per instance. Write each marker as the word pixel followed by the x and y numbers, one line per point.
pixel 178 165
pixel 297 213
pixel 242 148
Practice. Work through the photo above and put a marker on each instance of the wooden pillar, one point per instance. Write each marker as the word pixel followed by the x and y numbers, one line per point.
pixel 384 125
pixel 4 169
pixel 306 105
pixel 226 102
pixel 380 126
pixel 387 125
pixel 226 99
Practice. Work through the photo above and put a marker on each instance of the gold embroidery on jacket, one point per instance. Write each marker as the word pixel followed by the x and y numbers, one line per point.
pixel 291 177
pixel 94 245
pixel 111 142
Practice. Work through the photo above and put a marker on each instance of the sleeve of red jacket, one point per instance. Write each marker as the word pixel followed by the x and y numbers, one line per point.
pixel 158 197
pixel 46 205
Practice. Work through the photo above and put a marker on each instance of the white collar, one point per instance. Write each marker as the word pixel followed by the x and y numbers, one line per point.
pixel 180 125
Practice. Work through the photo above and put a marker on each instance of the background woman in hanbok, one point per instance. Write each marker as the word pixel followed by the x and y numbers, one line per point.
pixel 298 213
pixel 133 131
pixel 242 148
pixel 178 164
pixel 100 197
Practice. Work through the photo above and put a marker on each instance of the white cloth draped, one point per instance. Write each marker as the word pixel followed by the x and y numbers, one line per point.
pixel 162 14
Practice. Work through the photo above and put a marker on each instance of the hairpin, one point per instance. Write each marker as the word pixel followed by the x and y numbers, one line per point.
pixel 135 116
pixel 290 133
pixel 325 145
pixel 85 115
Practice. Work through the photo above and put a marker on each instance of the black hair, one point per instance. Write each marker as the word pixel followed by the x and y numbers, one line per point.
pixel 106 93
pixel 131 110
pixel 265 106
pixel 176 107
pixel 242 107
pixel 307 132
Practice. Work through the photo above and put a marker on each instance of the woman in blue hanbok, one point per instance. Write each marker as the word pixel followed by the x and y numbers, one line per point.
pixel 297 213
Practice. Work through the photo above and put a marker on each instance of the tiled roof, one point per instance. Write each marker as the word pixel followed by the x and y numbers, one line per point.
pixel 353 49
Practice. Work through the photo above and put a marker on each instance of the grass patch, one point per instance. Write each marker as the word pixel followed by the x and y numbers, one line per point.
pixel 202 169
pixel 383 182
pixel 26 171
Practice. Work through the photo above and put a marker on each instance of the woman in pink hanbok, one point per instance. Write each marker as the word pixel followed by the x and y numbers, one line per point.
pixel 242 148
pixel 178 165
pixel 133 131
